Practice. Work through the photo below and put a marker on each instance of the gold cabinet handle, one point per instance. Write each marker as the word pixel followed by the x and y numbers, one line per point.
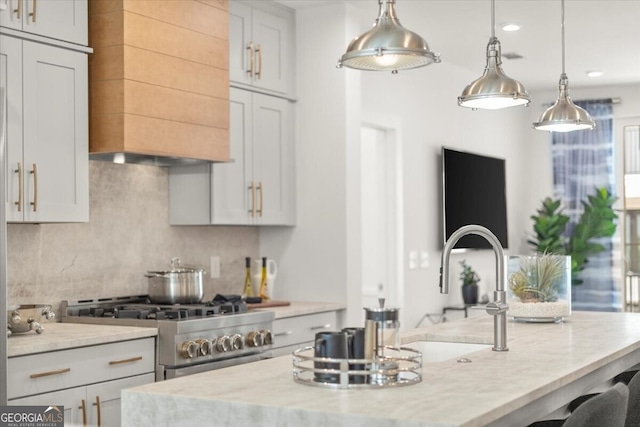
pixel 97 405
pixel 119 362
pixel 253 200
pixel 33 14
pixel 84 413
pixel 261 198
pixel 34 172
pixel 20 187
pixel 259 51
pixel 18 11
pixel 250 49
pixel 49 373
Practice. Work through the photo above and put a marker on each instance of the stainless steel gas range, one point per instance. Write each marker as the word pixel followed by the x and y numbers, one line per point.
pixel 192 338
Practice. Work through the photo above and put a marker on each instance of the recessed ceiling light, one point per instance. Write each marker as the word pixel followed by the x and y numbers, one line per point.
pixel 594 73
pixel 510 27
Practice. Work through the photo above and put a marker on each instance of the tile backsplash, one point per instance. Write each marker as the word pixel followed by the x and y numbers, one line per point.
pixel 128 234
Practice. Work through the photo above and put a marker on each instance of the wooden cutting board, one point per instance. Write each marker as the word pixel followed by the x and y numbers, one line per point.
pixel 270 303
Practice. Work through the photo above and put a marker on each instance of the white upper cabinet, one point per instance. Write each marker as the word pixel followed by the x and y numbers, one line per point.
pixel 261 52
pixel 64 20
pixel 257 186
pixel 47 132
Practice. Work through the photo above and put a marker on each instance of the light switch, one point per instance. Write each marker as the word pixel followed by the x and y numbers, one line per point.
pixel 413 260
pixel 424 259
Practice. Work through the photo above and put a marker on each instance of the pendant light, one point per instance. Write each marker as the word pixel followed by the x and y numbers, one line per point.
pixel 564 115
pixel 388 46
pixel 494 90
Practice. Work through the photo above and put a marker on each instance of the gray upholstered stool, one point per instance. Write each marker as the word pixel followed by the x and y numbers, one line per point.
pixel 633 410
pixel 607 409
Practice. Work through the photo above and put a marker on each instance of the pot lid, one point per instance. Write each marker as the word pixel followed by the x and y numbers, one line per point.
pixel 177 268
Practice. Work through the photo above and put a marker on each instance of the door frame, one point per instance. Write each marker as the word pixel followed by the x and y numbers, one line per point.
pixel 620 206
pixel 395 214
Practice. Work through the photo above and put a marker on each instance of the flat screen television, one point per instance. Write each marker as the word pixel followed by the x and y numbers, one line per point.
pixel 473 192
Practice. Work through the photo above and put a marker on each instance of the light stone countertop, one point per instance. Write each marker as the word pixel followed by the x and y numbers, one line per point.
pixel 547 365
pixel 60 336
pixel 301 308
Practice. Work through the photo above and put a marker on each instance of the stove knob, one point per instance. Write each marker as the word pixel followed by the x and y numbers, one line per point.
pixel 204 346
pixel 224 344
pixel 254 339
pixel 237 342
pixel 189 349
pixel 15 317
pixel 268 337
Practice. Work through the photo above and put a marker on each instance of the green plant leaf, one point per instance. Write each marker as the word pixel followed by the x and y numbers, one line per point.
pixel 597 220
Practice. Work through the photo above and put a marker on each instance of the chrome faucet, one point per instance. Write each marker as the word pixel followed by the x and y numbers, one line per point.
pixel 497 308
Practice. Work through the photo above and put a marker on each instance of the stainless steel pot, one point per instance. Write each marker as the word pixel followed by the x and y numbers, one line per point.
pixel 180 285
pixel 28 317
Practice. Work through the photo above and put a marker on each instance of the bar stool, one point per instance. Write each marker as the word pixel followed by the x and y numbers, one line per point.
pixel 605 409
pixel 633 410
pixel 623 377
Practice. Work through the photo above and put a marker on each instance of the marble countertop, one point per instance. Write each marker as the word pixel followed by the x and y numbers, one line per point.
pixel 60 336
pixel 546 366
pixel 301 308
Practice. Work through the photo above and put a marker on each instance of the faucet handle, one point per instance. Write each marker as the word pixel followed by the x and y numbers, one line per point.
pixel 495 308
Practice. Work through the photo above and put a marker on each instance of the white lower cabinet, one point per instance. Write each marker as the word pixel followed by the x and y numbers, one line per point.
pixel 290 333
pixel 95 405
pixel 87 381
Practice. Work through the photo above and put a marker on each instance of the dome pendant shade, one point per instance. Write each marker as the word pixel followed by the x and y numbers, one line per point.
pixel 564 115
pixel 494 90
pixel 388 46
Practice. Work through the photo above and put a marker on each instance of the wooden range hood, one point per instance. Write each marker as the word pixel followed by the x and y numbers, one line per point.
pixel 159 81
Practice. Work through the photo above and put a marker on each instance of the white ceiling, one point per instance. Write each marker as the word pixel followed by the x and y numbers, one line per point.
pixel 600 35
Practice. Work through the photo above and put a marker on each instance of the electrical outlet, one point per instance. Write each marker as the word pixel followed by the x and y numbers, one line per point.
pixel 215 267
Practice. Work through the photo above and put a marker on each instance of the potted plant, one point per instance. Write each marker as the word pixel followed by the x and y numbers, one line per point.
pixel 539 287
pixel 597 220
pixel 470 280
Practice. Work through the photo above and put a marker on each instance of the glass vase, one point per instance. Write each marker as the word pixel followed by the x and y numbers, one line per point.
pixel 539 287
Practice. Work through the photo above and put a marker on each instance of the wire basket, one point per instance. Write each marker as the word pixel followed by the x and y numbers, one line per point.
pixel 399 367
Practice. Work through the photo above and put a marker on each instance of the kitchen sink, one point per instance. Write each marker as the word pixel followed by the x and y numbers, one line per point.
pixel 438 351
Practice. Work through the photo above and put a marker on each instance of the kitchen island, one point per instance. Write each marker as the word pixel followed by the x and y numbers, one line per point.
pixel 547 365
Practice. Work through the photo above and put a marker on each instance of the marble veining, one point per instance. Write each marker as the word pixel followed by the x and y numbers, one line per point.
pixel 61 336
pixel 538 371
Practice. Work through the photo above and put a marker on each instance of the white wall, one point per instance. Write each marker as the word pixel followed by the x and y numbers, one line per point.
pixel 319 258
pixel 313 259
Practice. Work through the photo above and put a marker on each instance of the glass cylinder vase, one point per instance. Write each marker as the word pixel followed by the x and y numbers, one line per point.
pixel 539 287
